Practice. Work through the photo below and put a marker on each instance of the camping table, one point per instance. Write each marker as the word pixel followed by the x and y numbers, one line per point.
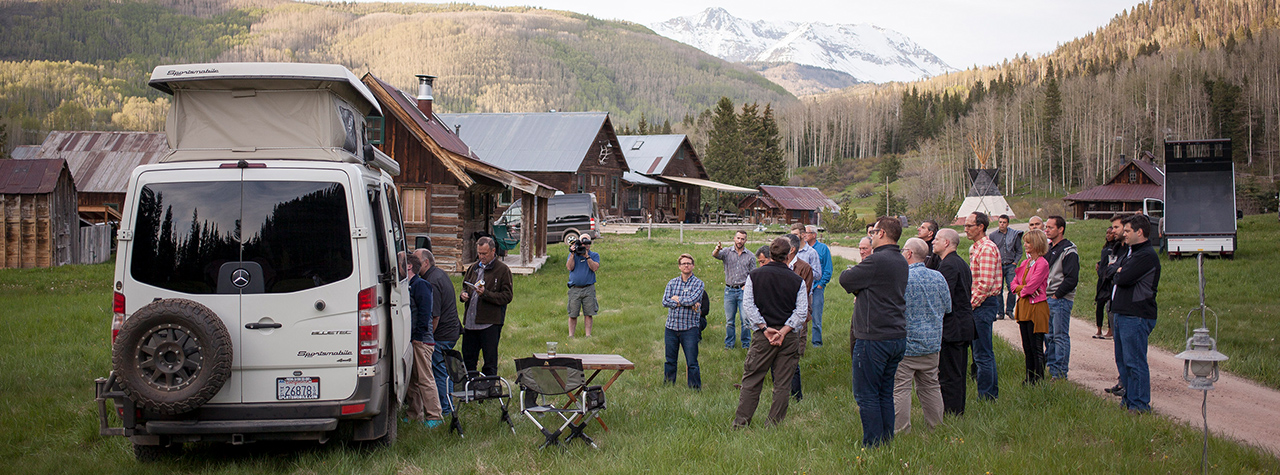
pixel 595 363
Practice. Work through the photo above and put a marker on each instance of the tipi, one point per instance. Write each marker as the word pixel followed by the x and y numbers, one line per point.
pixel 984 191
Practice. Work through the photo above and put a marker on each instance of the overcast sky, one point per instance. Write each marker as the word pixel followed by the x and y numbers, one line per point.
pixel 961 32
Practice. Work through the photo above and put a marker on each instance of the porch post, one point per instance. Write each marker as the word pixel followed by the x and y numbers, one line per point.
pixel 527 232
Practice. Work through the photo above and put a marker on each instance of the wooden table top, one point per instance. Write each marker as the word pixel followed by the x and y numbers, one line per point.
pixel 594 361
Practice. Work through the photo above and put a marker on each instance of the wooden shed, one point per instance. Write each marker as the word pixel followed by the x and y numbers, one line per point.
pixel 38 204
pixel 1124 193
pixel 446 192
pixel 787 205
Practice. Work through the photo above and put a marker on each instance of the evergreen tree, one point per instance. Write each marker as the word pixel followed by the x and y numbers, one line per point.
pixel 666 126
pixel 724 150
pixel 1051 113
pixel 749 125
pixel 643 127
pixel 769 166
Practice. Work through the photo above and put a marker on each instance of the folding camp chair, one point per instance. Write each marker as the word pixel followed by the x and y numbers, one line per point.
pixel 539 378
pixel 473 386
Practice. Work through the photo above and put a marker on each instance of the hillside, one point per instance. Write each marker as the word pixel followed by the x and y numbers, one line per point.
pixel 488 60
pixel 1166 70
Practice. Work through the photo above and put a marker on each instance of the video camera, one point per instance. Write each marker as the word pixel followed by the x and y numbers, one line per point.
pixel 575 246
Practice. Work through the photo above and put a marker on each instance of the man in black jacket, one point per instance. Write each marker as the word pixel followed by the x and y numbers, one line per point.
pixel 1133 303
pixel 878 329
pixel 957 325
pixel 1110 252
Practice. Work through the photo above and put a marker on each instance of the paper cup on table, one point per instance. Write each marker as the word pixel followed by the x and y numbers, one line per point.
pixel 551 348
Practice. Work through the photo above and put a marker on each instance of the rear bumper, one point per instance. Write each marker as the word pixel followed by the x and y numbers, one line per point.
pixel 239 423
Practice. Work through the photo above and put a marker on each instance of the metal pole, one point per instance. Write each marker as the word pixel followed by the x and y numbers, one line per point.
pixel 651 227
pixel 682 232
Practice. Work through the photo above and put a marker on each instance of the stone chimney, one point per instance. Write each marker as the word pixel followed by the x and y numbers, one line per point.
pixel 425 94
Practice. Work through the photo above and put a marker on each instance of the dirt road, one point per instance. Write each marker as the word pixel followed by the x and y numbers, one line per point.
pixel 1238 408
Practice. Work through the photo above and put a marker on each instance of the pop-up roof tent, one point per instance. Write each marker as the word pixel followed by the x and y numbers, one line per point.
pixel 984 196
pixel 268 111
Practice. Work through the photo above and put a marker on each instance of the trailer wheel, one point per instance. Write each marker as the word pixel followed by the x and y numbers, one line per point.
pixel 172 356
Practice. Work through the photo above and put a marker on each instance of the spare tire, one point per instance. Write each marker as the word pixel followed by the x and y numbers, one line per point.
pixel 172 356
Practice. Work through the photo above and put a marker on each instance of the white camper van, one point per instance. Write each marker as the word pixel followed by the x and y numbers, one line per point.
pixel 260 287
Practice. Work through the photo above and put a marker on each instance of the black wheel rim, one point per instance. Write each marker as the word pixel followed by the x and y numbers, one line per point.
pixel 169 357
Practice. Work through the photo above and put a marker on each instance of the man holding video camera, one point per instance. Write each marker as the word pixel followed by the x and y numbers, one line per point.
pixel 582 264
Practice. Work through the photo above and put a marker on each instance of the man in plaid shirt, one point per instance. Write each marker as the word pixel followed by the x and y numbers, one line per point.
pixel 683 299
pixel 984 262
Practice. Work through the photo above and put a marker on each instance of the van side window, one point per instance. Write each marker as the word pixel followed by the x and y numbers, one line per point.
pixel 397 226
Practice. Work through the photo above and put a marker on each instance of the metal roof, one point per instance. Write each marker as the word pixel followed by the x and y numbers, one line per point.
pixel 22 152
pixel 1119 192
pixel 638 179
pixel 30 177
pixel 1125 192
pixel 101 162
pixel 530 142
pixel 650 154
pixel 799 197
pixel 464 159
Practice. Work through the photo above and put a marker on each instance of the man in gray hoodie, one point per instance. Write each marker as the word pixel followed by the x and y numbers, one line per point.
pixel 878 329
pixel 1064 273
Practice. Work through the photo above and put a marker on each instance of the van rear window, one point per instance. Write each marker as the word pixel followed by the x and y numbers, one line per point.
pixel 297 231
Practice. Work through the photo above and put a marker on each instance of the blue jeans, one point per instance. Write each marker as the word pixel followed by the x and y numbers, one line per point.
pixel 984 354
pixel 688 339
pixel 819 295
pixel 444 385
pixel 874 365
pixel 1131 359
pixel 732 307
pixel 1057 342
pixel 1011 297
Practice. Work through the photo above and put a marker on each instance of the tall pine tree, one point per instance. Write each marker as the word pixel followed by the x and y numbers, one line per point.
pixel 724 145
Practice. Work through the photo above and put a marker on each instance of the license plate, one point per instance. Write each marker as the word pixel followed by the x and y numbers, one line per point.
pixel 293 388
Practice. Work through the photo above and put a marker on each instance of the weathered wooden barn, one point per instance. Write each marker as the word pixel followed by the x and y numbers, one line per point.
pixel 787 205
pixel 574 152
pixel 101 163
pixel 446 191
pixel 1124 193
pixel 38 206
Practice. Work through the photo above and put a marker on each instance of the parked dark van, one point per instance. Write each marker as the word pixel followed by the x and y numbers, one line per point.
pixel 568 216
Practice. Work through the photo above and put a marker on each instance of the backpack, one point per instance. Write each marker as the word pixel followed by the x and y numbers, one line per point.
pixel 706 309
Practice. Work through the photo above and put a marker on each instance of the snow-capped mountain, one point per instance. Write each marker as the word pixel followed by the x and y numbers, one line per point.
pixel 866 52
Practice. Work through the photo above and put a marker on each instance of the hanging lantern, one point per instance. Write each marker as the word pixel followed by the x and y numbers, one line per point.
pixel 1200 360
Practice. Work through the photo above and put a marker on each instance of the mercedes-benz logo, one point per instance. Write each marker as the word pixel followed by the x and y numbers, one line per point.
pixel 240 278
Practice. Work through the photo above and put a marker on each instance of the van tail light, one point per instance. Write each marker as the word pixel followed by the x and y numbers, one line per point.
pixel 117 315
pixel 593 224
pixel 368 326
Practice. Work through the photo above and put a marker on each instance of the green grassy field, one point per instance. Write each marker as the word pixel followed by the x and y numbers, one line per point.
pixel 56 340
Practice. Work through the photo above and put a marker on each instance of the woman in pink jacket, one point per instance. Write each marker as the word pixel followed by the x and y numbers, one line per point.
pixel 1032 311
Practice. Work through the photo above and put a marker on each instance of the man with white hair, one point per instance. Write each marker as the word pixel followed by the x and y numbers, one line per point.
pixel 928 298
pixel 864 248
pixel 957 323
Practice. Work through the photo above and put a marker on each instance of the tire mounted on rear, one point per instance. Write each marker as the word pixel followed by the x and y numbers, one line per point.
pixel 172 356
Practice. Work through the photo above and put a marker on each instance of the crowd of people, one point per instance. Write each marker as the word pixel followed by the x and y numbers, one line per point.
pixel 920 313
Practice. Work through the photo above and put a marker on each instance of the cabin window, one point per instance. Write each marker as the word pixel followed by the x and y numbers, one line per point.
pixel 504 199
pixel 582 183
pixel 1133 177
pixel 414 202
pixel 633 199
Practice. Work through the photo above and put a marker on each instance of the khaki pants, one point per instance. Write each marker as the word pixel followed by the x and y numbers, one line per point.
pixel 923 371
pixel 422 399
pixel 761 358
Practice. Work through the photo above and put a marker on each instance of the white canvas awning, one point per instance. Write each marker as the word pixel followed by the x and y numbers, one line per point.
pixel 709 184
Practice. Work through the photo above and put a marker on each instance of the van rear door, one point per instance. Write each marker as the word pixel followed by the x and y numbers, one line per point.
pixel 298 323
pixel 182 228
